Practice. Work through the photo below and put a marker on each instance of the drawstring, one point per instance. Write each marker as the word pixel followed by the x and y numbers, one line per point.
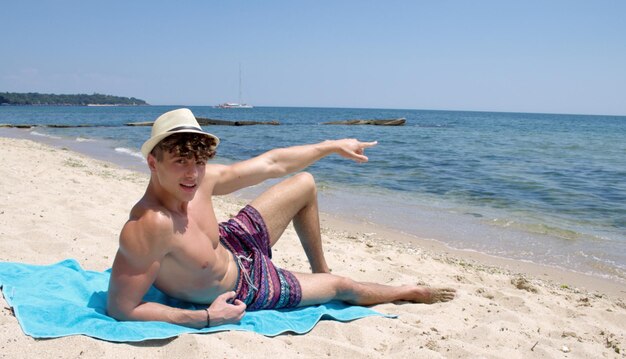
pixel 243 269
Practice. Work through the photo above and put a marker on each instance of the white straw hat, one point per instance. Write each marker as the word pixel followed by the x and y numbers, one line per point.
pixel 169 123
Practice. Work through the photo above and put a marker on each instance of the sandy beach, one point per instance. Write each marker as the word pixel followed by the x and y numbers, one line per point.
pixel 57 204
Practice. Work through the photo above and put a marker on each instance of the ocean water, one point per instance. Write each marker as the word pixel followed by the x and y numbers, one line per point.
pixel 539 187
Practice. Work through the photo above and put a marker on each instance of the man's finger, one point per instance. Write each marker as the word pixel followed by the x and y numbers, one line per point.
pixel 228 295
pixel 369 144
pixel 239 303
pixel 361 158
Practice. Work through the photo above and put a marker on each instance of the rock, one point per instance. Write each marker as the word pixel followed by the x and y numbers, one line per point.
pixel 210 121
pixel 386 122
pixel 214 122
pixel 523 283
pixel 15 126
pixel 146 123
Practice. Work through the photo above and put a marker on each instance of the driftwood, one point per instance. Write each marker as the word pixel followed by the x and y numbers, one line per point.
pixel 210 121
pixel 386 122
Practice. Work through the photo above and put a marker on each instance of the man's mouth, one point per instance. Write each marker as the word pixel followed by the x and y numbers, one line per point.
pixel 188 186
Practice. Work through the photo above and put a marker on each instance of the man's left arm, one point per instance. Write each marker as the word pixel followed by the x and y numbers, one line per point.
pixel 282 161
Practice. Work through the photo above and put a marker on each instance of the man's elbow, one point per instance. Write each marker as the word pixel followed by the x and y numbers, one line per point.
pixel 274 168
pixel 277 171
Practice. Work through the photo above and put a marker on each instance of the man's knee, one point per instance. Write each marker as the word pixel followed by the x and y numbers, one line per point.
pixel 307 181
pixel 344 288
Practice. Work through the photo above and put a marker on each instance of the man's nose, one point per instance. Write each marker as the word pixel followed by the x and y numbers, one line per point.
pixel 191 170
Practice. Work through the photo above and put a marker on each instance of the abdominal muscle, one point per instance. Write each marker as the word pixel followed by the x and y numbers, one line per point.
pixel 198 277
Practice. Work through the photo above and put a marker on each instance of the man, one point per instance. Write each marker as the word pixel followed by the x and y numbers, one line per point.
pixel 172 239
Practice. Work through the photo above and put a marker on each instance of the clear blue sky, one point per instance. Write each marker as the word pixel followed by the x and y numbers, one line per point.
pixel 527 56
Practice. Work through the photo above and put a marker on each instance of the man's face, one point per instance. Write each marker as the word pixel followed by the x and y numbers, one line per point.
pixel 180 176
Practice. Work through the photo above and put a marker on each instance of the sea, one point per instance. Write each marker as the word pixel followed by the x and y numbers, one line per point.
pixel 544 188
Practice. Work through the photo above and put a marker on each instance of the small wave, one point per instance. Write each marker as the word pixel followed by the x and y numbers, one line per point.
pixel 35 133
pixel 83 139
pixel 428 125
pixel 538 228
pixel 605 267
pixel 128 151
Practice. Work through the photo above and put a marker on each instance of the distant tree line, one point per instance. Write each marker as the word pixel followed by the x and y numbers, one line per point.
pixel 34 98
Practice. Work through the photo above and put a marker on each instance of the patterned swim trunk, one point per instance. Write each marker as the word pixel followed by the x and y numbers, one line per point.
pixel 260 284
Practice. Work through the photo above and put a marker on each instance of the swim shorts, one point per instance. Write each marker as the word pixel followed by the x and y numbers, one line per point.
pixel 260 284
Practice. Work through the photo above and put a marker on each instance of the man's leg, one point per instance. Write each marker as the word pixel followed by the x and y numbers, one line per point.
pixel 320 288
pixel 294 199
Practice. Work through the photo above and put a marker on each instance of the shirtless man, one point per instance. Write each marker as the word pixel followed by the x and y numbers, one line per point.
pixel 172 239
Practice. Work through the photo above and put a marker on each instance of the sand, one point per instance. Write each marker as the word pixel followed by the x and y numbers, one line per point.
pixel 57 204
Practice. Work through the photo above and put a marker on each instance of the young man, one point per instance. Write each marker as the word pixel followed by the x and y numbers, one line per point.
pixel 172 239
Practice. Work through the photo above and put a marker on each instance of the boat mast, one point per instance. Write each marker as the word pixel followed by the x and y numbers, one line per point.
pixel 240 97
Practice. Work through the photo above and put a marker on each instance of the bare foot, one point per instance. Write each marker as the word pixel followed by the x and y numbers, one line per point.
pixel 430 295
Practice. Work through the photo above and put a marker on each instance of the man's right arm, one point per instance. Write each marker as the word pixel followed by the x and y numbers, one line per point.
pixel 136 264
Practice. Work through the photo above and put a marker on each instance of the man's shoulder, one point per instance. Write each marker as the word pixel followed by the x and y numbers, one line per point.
pixel 148 223
pixel 152 217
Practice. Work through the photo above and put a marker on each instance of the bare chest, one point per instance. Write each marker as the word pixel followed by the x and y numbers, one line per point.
pixel 197 262
pixel 195 242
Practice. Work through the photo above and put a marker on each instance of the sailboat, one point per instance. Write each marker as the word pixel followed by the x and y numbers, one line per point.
pixel 235 104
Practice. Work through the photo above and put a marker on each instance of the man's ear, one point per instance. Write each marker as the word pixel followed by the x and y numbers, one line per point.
pixel 151 162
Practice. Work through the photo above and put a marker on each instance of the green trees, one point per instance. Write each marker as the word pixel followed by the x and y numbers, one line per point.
pixel 34 98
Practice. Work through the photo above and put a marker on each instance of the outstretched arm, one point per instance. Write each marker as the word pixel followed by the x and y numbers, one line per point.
pixel 282 161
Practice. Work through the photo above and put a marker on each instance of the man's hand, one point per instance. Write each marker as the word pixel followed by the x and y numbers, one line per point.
pixel 353 149
pixel 223 312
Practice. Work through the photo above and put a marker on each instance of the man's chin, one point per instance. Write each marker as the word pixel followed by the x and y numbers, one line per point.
pixel 187 195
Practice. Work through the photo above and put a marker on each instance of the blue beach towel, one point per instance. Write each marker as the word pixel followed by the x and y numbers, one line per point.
pixel 63 299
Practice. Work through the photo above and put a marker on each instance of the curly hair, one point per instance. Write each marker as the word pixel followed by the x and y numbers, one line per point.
pixel 189 145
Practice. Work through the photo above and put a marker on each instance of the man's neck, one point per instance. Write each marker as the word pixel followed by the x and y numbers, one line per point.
pixel 157 194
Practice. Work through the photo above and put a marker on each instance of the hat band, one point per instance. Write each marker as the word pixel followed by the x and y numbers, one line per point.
pixel 184 128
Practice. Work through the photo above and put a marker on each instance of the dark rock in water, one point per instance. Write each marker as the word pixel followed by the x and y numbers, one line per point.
pixel 48 125
pixel 146 123
pixel 248 123
pixel 385 122
pixel 8 125
pixel 201 121
pixel 210 121
pixel 71 126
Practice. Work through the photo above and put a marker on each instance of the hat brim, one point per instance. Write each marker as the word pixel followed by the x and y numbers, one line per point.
pixel 147 146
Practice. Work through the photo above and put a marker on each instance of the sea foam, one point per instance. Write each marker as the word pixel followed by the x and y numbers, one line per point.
pixel 128 151
pixel 35 133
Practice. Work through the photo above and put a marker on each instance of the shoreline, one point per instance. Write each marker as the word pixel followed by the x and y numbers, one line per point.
pixel 555 275
pixel 378 232
pixel 60 204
